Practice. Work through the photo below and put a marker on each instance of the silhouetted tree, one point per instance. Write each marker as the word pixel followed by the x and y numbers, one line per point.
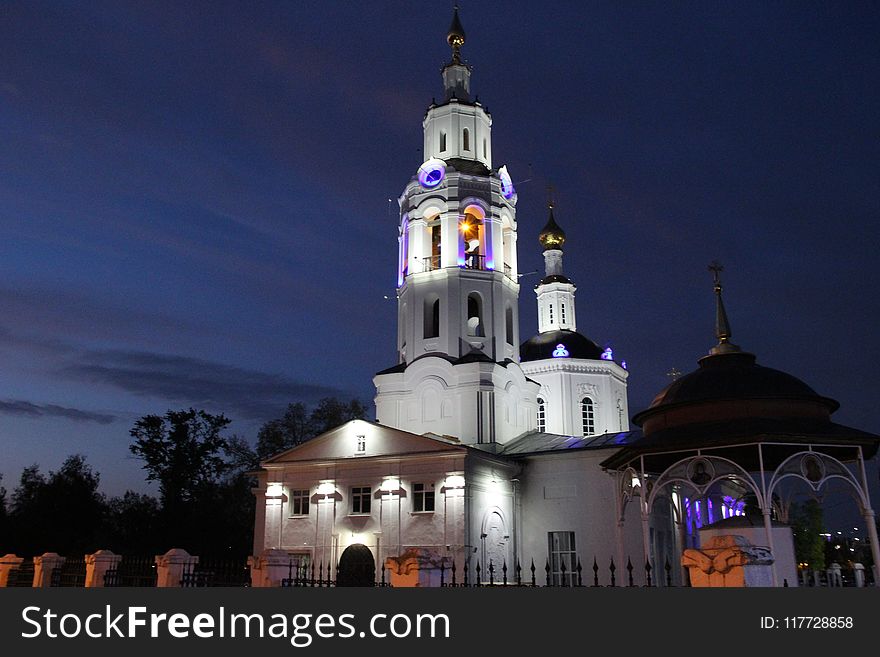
pixel 134 525
pixel 331 412
pixel 62 513
pixel 807 525
pixel 206 505
pixel 3 511
pixel 298 425
pixel 293 428
pixel 182 451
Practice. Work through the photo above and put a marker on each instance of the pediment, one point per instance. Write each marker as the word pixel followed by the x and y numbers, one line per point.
pixel 378 440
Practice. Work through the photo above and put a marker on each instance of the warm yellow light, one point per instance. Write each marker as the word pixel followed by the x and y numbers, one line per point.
pixel 465 226
pixel 455 481
pixel 391 485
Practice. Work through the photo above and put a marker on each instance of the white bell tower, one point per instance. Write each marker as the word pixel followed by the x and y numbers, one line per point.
pixel 458 319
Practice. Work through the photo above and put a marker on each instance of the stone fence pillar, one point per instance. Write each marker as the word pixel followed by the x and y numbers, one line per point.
pixel 43 567
pixel 97 564
pixel 416 567
pixel 729 561
pixel 170 567
pixel 8 564
pixel 859 574
pixel 834 576
pixel 270 568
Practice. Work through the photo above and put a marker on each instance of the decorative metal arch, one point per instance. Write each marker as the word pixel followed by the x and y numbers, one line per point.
pixel 626 490
pixel 687 473
pixel 816 469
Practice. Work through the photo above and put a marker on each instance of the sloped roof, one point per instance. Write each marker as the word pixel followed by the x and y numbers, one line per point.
pixel 340 443
pixel 538 442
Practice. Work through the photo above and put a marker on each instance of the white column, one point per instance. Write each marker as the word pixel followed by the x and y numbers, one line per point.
pixel 768 529
pixel 868 515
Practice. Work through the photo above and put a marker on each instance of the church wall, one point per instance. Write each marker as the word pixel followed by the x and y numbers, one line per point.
pixel 569 492
pixel 393 523
pixel 564 383
pixel 433 396
pixel 491 529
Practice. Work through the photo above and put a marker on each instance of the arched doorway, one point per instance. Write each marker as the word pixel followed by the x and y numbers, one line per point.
pixel 356 567
pixel 494 542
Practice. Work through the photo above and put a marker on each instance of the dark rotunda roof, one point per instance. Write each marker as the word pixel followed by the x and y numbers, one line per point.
pixel 732 403
pixel 543 345
pixel 733 376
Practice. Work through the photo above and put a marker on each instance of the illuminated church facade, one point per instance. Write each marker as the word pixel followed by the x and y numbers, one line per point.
pixel 487 450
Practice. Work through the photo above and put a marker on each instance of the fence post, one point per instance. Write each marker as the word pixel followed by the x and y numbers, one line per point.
pixel 170 567
pixel 858 575
pixel 43 567
pixel 97 564
pixel 268 569
pixel 8 564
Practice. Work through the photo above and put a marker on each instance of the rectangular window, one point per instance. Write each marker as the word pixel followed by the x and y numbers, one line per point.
pixel 562 553
pixel 563 313
pixel 360 500
pixel 299 502
pixel 361 446
pixel 423 498
pixel 551 313
pixel 442 142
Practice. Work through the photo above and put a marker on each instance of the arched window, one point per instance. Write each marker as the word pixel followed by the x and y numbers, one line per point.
pixel 432 318
pixel 588 419
pixel 542 419
pixel 475 315
pixel 465 140
pixel 508 324
pixel 404 251
pixel 472 230
pixel 442 142
pixel 485 149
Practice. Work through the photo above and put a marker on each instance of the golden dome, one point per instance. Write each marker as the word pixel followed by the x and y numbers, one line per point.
pixel 455 36
pixel 552 236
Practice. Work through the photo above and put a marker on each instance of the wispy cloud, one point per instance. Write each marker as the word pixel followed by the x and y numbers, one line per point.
pixel 29 409
pixel 236 391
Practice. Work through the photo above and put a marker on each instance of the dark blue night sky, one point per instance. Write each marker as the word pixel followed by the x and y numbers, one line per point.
pixel 194 197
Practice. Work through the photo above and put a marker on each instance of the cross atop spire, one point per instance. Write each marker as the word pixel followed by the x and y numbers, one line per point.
pixel 456 74
pixel 455 37
pixel 722 324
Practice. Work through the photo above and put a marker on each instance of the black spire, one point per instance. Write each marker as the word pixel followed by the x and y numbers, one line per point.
pixel 722 324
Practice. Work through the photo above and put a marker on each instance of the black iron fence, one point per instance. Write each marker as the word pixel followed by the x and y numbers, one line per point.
pixel 564 576
pixel 72 573
pixel 307 576
pixel 216 572
pixel 453 575
pixel 132 571
pixel 23 576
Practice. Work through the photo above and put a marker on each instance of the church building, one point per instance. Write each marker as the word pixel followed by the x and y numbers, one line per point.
pixel 490 451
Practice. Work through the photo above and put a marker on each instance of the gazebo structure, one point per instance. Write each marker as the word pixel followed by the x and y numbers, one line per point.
pixel 738 427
